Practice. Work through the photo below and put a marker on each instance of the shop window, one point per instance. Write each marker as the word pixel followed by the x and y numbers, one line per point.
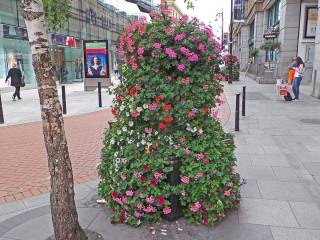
pixel 274 14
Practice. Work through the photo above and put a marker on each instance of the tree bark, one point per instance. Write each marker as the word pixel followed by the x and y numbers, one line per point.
pixel 63 208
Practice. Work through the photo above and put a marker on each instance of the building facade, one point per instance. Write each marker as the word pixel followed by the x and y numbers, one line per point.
pixel 90 20
pixel 275 32
pixel 175 9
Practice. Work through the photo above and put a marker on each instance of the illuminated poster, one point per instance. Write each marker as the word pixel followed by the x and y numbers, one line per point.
pixel 238 10
pixel 96 59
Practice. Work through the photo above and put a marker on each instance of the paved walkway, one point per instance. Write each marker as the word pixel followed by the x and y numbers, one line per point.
pixel 278 149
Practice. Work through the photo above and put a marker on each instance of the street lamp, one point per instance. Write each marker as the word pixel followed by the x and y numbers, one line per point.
pixel 230 44
pixel 220 14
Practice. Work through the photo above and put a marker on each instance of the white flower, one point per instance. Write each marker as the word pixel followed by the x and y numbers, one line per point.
pixel 145 106
pixel 143 142
pixel 130 123
pixel 155 133
pixel 139 109
pixel 118 132
pixel 112 141
pixel 122 108
pixel 131 132
pixel 149 144
pixel 138 144
pixel 127 114
pixel 116 154
pixel 124 128
pixel 200 131
pixel 130 141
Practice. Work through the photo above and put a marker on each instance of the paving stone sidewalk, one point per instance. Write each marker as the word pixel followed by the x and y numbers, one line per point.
pixel 278 151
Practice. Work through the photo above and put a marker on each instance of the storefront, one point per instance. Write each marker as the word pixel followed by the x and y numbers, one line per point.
pixel 15 48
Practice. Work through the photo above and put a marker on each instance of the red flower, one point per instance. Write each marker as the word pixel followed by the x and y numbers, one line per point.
pixel 168 119
pixel 162 126
pixel 158 99
pixel 154 182
pixel 161 200
pixel 143 178
pixel 113 222
pixel 114 194
pixel 205 109
pixel 205 160
pixel 167 107
pixel 205 221
pixel 221 90
pixel 146 167
pixel 132 91
pixel 182 139
pixel 114 111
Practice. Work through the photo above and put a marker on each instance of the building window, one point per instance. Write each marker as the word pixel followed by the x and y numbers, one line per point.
pixel 311 19
pixel 274 14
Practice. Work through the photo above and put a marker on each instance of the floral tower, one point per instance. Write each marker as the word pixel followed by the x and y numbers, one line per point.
pixel 166 143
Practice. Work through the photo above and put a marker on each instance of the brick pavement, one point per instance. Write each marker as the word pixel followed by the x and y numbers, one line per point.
pixel 23 163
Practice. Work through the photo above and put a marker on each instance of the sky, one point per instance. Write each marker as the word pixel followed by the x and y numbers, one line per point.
pixel 205 10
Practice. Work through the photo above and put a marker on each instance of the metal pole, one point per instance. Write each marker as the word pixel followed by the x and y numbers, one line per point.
pixel 230 43
pixel 64 103
pixel 237 117
pixel 243 101
pixel 222 35
pixel 99 94
pixel 1 112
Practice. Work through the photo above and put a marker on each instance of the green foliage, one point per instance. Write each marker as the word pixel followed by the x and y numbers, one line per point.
pixel 253 52
pixel 269 45
pixel 166 110
pixel 57 13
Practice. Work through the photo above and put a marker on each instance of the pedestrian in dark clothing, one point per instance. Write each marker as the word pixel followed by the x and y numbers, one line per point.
pixel 16 80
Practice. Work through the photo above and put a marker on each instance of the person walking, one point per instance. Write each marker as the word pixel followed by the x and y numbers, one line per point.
pixel 298 75
pixel 16 80
pixel 291 71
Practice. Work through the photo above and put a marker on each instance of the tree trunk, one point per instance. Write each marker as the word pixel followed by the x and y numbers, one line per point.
pixel 63 208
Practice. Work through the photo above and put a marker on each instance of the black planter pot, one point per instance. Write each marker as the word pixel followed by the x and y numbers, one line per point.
pixel 174 179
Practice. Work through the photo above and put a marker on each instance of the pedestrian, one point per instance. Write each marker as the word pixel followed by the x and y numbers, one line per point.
pixel 16 80
pixel 298 75
pixel 115 68
pixel 291 71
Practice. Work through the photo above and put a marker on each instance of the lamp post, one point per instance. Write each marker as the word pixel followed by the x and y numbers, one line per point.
pixel 220 14
pixel 230 44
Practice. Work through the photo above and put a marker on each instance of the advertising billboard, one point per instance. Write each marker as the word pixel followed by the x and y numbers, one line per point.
pixel 96 59
pixel 238 11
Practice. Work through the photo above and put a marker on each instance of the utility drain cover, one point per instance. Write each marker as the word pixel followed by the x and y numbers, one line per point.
pixel 311 121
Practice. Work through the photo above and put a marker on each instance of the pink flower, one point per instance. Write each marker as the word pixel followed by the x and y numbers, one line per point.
pixel 149 209
pixel 118 200
pixel 152 106
pixel 200 156
pixel 194 38
pixel 202 47
pixel 183 193
pixel 205 86
pixel 158 175
pixel 140 50
pixel 181 67
pixel 129 193
pixel 171 53
pixel 176 146
pixel 157 45
pixel 148 130
pixel 186 81
pixel 199 175
pixel 137 214
pixel 134 66
pixel 186 151
pixel 185 179
pixel 150 199
pixel 137 174
pixel 227 193
pixel 193 57
pixel 141 195
pixel 230 184
pixel 185 51
pixel 168 31
pixel 123 177
pixel 140 206
pixel 191 114
pixel 134 114
pixel 180 37
pixel 166 210
pixel 185 18
pixel 195 207
pixel 156 70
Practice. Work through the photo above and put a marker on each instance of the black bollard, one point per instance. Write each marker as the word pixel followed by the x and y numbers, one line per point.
pixel 243 101
pixel 64 103
pixel 99 94
pixel 1 112
pixel 237 117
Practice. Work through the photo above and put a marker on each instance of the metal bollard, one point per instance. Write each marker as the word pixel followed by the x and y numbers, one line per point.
pixel 64 103
pixel 243 101
pixel 99 94
pixel 1 112
pixel 237 117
